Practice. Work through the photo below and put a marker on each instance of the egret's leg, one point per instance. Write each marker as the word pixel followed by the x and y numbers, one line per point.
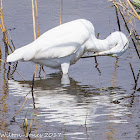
pixel 65 67
pixel 65 80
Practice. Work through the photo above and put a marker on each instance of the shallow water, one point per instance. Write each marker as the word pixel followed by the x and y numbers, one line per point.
pixel 98 101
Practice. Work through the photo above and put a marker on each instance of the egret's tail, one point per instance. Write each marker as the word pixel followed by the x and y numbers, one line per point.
pixel 15 56
pixel 24 54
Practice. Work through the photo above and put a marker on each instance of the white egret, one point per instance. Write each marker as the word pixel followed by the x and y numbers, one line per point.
pixel 63 45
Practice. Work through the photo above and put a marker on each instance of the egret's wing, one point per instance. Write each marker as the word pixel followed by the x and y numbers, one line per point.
pixel 61 42
pixel 57 50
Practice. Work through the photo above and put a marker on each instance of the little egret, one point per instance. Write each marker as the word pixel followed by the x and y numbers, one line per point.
pixel 63 45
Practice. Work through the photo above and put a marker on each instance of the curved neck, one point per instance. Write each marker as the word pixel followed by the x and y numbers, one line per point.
pixel 98 45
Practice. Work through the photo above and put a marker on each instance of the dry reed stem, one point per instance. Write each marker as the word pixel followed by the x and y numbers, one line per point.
pixel 7 41
pixel 31 122
pixel 36 67
pixel 10 38
pixel 124 7
pixel 118 21
pixel 33 16
pixel 123 17
pixel 26 125
pixel 137 16
pixel 126 20
pixel 133 72
pixel 1 5
pixel 5 31
pixel 0 51
pixel 12 68
pixel 43 70
pixel 37 18
pixel 38 31
pixel 61 12
pixel 21 107
pixel 2 20
pixel 34 29
pixel 30 125
pixel 134 77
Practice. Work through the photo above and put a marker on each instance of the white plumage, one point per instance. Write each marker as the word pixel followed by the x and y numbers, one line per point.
pixel 63 45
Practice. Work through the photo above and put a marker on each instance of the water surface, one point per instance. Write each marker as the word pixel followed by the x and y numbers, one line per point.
pixel 98 101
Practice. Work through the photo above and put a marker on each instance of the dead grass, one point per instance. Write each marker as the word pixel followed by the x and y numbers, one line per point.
pixel 129 12
pixel 6 36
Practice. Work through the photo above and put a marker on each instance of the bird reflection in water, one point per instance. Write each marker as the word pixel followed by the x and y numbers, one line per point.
pixel 75 100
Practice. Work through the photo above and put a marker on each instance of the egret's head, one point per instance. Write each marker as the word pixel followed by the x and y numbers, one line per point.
pixel 118 43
